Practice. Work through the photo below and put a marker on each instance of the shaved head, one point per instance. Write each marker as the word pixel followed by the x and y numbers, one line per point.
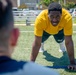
pixel 6 21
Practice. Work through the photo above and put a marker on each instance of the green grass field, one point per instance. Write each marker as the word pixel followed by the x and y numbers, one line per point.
pixel 74 20
pixel 50 57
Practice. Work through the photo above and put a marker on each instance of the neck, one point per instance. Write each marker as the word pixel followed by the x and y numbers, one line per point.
pixel 5 52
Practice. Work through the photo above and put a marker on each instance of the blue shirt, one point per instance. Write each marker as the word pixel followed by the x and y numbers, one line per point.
pixel 10 66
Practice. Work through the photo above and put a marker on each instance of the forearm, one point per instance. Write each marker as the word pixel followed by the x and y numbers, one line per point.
pixel 35 51
pixel 70 50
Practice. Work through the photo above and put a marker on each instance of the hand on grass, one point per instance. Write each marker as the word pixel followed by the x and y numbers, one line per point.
pixel 72 67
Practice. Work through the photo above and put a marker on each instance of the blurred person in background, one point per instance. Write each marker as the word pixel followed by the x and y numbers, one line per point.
pixel 8 40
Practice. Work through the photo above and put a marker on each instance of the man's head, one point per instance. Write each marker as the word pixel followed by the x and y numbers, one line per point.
pixel 8 34
pixel 54 13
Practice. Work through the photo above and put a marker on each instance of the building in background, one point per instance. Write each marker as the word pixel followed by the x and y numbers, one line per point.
pixel 30 3
pixel 15 3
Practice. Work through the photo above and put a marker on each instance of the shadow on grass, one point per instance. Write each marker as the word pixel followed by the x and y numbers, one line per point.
pixel 58 63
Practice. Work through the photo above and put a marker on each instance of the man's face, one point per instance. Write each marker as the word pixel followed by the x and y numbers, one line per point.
pixel 54 17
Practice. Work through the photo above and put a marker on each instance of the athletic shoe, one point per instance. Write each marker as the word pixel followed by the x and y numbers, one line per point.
pixel 62 47
pixel 41 48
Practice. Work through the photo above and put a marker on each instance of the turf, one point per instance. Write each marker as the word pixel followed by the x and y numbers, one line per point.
pixel 74 20
pixel 51 55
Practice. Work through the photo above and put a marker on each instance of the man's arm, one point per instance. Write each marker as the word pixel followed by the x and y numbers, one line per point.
pixel 70 48
pixel 35 47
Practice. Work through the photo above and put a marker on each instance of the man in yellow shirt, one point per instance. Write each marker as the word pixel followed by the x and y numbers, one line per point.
pixel 54 21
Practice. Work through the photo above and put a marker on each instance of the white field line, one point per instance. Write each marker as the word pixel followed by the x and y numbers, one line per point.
pixel 33 31
pixel 74 24
pixel 33 24
pixel 74 31
pixel 27 48
pixel 26 31
pixel 23 24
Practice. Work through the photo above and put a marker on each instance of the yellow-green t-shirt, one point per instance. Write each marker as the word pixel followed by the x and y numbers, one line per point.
pixel 43 23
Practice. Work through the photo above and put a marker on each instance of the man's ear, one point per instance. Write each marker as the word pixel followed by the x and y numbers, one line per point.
pixel 15 35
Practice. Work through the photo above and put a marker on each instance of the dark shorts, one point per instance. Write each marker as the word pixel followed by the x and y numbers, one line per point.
pixel 58 37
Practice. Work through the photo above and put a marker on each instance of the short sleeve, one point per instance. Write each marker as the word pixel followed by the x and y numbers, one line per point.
pixel 68 28
pixel 39 26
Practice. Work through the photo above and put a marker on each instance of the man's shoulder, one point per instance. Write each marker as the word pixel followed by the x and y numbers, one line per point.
pixel 43 15
pixel 10 65
pixel 66 14
pixel 38 69
pixel 65 11
pixel 43 12
pixel 27 68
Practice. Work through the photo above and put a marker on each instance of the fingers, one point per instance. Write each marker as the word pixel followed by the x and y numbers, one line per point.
pixel 72 67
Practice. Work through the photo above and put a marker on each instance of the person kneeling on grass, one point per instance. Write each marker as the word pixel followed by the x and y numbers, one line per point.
pixel 55 21
pixel 8 41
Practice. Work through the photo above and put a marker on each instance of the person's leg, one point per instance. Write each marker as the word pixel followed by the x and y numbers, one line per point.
pixel 44 38
pixel 60 39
